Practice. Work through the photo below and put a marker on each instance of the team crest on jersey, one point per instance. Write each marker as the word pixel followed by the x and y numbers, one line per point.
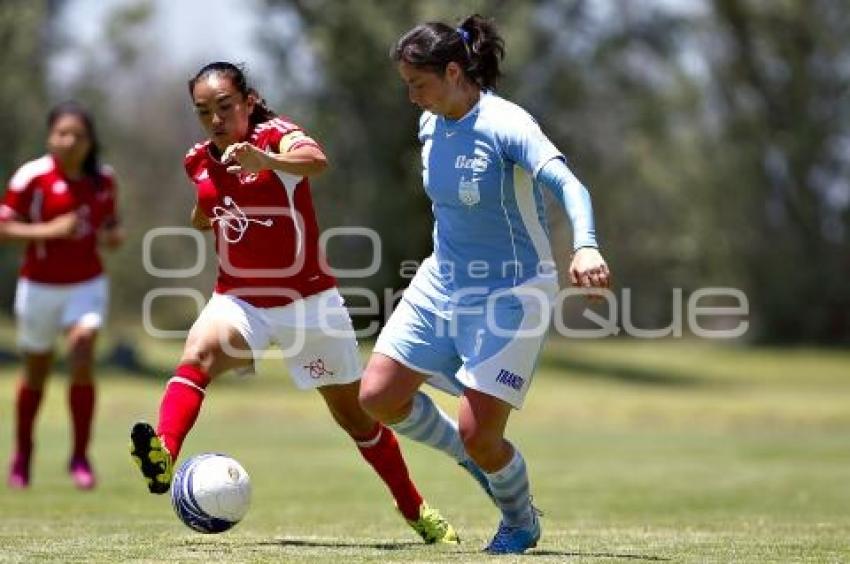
pixel 59 187
pixel 468 192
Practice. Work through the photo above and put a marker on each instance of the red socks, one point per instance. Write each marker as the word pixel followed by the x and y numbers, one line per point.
pixel 81 404
pixel 180 405
pixel 26 406
pixel 384 455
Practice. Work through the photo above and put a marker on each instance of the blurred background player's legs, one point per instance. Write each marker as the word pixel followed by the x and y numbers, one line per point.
pixel 38 313
pixel 81 402
pixel 30 392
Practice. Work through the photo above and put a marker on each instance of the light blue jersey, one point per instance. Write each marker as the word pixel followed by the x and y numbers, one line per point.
pixel 477 311
pixel 488 232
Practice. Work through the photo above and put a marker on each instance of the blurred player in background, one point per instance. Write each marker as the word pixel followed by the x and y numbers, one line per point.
pixel 273 287
pixel 62 206
pixel 475 315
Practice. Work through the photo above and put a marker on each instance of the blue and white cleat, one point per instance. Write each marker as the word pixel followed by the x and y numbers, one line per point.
pixel 515 540
pixel 479 476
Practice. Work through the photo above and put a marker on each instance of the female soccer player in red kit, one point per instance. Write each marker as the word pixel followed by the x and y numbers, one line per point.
pixel 251 178
pixel 60 205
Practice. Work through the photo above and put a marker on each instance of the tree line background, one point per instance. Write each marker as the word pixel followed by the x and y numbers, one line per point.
pixel 714 136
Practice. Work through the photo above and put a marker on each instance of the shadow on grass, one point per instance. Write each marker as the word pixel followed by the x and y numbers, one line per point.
pixel 606 555
pixel 393 546
pixel 322 543
pixel 628 374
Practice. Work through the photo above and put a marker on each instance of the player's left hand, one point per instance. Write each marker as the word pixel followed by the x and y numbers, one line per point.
pixel 113 237
pixel 244 157
pixel 589 270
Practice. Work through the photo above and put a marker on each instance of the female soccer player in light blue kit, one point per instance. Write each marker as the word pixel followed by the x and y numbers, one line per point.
pixel 475 315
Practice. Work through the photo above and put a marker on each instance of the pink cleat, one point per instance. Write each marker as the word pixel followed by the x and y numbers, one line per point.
pixel 81 473
pixel 19 472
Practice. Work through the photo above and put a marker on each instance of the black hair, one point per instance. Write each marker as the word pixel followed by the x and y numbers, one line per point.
pixel 475 45
pixel 91 164
pixel 236 75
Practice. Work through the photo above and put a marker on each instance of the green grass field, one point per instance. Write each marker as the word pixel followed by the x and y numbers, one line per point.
pixel 638 451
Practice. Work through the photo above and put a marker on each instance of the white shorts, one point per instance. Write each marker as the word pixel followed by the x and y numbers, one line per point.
pixel 314 335
pixel 491 346
pixel 45 310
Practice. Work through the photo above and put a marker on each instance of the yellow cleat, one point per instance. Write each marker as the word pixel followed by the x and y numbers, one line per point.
pixel 152 458
pixel 433 527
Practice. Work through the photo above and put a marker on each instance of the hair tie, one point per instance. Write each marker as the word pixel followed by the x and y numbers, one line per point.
pixel 464 35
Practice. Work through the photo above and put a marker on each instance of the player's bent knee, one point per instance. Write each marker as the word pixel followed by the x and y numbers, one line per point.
pixel 205 354
pixel 370 400
pixel 81 349
pixel 378 403
pixel 37 369
pixel 35 381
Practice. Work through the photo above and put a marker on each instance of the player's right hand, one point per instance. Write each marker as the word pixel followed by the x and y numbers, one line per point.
pixel 589 270
pixel 244 158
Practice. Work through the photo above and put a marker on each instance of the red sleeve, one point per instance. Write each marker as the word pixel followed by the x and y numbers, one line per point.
pixel 196 163
pixel 280 129
pixel 193 161
pixel 18 197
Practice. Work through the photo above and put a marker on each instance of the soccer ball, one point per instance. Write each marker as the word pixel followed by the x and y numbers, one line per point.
pixel 211 492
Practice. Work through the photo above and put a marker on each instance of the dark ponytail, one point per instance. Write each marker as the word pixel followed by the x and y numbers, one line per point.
pixel 236 75
pixel 475 45
pixel 91 164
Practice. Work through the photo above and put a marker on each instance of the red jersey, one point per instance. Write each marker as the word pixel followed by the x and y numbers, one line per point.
pixel 39 191
pixel 264 223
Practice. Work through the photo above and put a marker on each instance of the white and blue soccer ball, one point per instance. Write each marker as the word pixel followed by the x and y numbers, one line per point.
pixel 211 492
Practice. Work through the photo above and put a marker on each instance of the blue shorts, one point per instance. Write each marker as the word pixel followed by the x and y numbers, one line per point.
pixel 487 341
